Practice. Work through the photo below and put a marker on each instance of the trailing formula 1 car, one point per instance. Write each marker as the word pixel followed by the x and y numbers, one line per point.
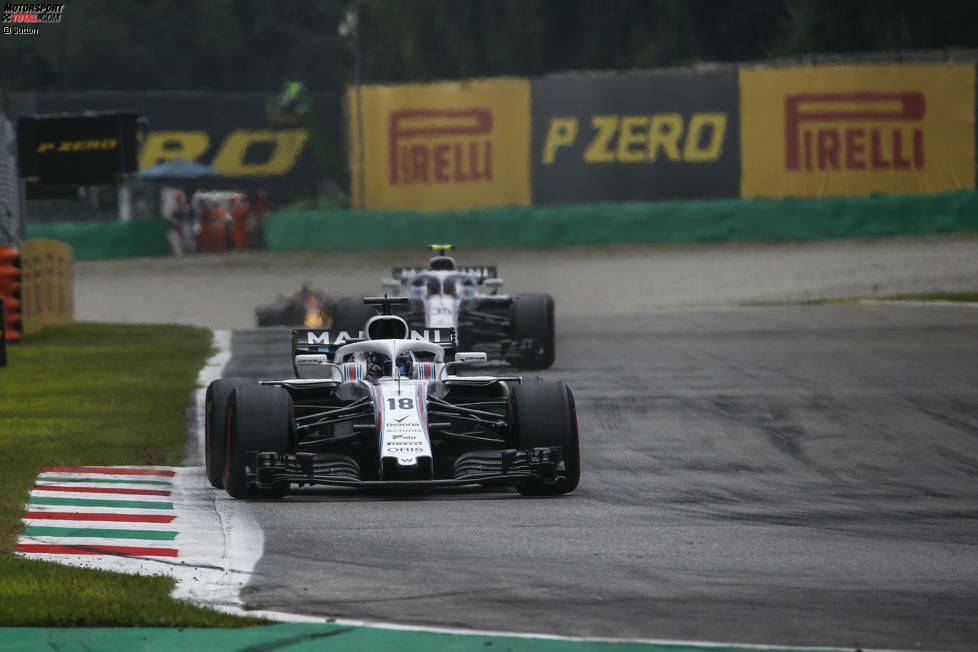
pixel 518 328
pixel 389 410
pixel 307 307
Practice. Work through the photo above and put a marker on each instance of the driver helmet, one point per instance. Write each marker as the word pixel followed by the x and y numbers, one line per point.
pixel 378 365
pixel 405 364
pixel 434 286
pixel 449 286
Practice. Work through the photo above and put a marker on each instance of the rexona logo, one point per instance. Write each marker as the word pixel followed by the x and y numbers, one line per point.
pixel 854 131
pixel 440 146
pixel 639 138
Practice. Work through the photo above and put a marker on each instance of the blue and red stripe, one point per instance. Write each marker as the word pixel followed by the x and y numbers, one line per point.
pixel 422 407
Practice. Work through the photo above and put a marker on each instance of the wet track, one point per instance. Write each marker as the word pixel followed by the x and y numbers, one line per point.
pixel 795 475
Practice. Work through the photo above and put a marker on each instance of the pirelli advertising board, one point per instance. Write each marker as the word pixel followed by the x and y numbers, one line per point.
pixel 290 155
pixel 635 136
pixel 853 130
pixel 452 145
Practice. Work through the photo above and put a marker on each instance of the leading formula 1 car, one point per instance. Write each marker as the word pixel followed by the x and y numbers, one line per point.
pixel 519 328
pixel 389 410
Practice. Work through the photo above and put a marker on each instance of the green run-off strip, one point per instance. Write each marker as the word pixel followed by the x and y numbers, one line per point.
pixel 82 502
pixel 107 533
pixel 164 482
pixel 314 637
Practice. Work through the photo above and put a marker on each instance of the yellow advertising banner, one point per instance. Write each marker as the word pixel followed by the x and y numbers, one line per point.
pixel 47 291
pixel 855 130
pixel 441 146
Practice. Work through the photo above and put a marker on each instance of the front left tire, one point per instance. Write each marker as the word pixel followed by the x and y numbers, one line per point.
pixel 533 319
pixel 259 418
pixel 545 417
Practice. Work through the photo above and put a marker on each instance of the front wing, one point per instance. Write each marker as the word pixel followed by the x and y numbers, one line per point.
pixel 267 469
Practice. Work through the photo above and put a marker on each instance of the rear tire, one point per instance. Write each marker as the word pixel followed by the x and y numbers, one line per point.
pixel 351 315
pixel 533 318
pixel 546 416
pixel 215 428
pixel 259 418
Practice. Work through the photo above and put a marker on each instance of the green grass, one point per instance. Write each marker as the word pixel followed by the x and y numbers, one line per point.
pixel 93 394
pixel 964 297
pixel 967 297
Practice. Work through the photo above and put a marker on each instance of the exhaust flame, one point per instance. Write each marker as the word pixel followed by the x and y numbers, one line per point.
pixel 314 319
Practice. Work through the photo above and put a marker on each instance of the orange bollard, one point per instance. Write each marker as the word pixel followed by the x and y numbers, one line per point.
pixel 10 291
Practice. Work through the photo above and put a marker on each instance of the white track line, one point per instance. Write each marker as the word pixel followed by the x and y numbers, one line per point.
pixel 87 509
pixel 346 622
pixel 227 540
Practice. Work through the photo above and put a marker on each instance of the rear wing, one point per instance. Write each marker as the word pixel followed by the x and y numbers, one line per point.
pixel 318 340
pixel 482 271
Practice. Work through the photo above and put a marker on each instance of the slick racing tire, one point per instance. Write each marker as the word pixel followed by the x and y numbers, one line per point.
pixel 259 418
pixel 533 319
pixel 215 427
pixel 546 416
pixel 351 314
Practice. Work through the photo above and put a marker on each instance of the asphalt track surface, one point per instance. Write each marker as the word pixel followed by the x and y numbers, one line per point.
pixel 800 475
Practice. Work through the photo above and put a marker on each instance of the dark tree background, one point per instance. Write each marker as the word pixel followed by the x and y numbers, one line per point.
pixel 254 45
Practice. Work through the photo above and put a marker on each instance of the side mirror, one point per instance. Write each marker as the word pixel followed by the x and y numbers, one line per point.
pixel 494 283
pixel 311 359
pixel 461 359
pixel 313 365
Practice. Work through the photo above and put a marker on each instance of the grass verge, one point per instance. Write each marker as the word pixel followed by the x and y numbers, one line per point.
pixel 93 394
pixel 962 297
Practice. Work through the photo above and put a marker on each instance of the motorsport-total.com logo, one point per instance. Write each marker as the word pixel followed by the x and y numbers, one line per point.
pixel 21 19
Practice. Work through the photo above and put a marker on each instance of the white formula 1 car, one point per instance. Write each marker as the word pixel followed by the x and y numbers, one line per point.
pixel 389 410
pixel 518 328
